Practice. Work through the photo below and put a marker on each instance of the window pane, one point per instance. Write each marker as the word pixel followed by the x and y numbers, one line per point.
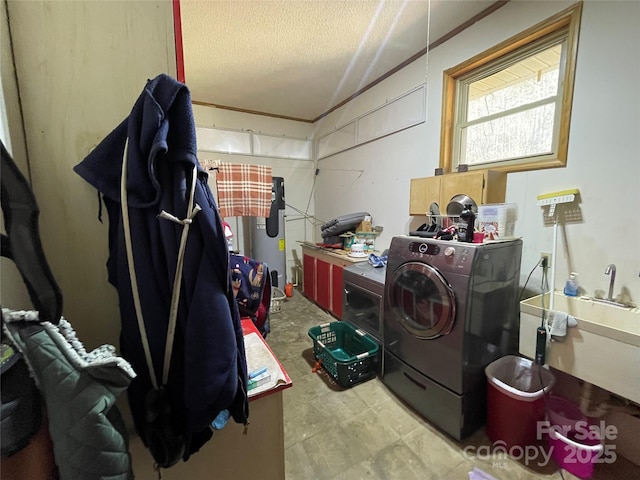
pixel 281 147
pixel 519 135
pixel 530 80
pixel 226 141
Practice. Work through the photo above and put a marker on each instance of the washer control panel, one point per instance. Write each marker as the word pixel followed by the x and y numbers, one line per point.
pixel 424 248
pixel 454 257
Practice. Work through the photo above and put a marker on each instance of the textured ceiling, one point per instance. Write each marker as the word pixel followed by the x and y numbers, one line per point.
pixel 299 58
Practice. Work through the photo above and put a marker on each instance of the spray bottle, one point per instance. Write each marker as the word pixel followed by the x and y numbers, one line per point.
pixel 469 218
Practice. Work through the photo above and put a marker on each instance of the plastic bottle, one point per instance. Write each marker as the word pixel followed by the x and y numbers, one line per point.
pixel 571 286
pixel 465 229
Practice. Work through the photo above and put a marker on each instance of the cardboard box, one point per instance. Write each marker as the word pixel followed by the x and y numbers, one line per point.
pixel 364 226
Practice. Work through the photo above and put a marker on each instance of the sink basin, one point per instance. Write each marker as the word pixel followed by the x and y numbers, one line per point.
pixel 605 318
pixel 603 348
pixel 608 302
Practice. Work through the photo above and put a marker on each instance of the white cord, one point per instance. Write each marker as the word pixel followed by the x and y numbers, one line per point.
pixel 132 270
pixel 192 211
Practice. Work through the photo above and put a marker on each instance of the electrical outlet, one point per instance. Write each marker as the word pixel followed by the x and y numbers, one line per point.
pixel 545 259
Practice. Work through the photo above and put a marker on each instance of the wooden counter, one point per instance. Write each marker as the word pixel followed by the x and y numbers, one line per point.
pixel 322 276
pixel 230 453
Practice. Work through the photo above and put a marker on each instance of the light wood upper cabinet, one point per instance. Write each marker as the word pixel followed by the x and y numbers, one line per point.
pixel 484 186
pixel 423 192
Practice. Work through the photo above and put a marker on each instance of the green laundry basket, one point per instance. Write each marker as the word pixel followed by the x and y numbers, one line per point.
pixel 348 354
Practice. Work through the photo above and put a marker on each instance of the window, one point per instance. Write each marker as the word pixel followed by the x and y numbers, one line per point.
pixel 246 142
pixel 509 108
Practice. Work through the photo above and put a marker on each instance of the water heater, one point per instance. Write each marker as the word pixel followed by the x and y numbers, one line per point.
pixel 267 236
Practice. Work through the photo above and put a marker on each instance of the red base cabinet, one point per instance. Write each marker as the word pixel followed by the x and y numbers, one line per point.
pixel 322 277
pixel 309 276
pixel 323 286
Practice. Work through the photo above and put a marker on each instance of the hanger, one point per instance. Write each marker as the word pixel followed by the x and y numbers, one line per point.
pixel 22 241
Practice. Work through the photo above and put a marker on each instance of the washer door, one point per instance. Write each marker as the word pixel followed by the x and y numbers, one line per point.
pixel 421 300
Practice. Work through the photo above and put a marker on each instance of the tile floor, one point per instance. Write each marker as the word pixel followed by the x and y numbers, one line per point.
pixel 367 432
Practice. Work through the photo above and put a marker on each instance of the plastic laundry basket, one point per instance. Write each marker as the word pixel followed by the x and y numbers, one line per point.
pixel 515 400
pixel 572 444
pixel 563 413
pixel 277 299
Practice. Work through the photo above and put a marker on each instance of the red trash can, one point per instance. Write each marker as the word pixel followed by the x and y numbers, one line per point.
pixel 515 400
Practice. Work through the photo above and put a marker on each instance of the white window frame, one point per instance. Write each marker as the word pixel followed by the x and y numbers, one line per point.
pixel 562 28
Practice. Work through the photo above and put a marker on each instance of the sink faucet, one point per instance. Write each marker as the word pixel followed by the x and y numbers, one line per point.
pixel 611 270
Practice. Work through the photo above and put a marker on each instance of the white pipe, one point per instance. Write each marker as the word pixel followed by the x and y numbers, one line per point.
pixel 552 285
pixel 585 397
pixel 296 275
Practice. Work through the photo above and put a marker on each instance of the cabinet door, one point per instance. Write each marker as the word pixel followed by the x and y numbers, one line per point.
pixel 423 192
pixel 484 186
pixel 309 276
pixel 469 183
pixel 323 285
pixel 336 291
pixel 495 187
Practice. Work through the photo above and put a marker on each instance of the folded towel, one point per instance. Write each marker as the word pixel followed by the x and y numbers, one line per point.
pixel 559 322
pixel 377 261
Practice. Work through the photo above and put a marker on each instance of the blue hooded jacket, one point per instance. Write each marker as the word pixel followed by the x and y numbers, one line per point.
pixel 208 366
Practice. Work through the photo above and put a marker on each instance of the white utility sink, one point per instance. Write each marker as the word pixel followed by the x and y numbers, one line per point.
pixel 603 349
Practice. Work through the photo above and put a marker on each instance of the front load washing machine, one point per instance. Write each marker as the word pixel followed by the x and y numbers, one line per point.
pixel 450 309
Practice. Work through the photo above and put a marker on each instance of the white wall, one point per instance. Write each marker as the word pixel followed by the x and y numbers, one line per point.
pixel 298 176
pixel 603 159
